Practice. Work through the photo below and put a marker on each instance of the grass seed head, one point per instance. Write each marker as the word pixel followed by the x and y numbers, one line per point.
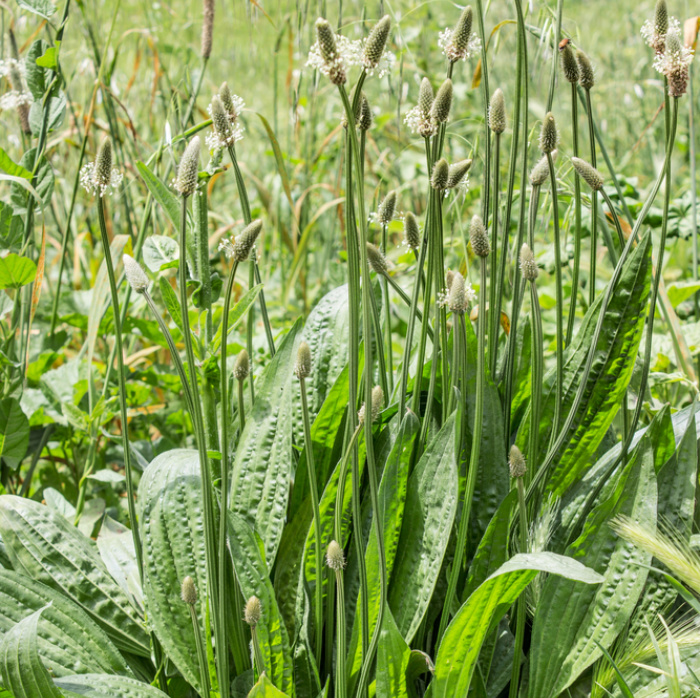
pixel 516 462
pixel 586 72
pixel 463 29
pixel 376 43
pixel 245 240
pixel 188 172
pixel 440 110
pixel 441 175
pixel 569 65
pixel 540 171
pixel 528 264
pixel 411 231
pixel 135 275
pixel 207 27
pixel 241 368
pixel 365 118
pixel 549 135
pixel 479 238
pixel 302 366
pixel 253 611
pixel 103 163
pixel 460 43
pixel 188 591
pixel 588 173
pixel 457 299
pixel 377 261
pixel 335 558
pixel 458 173
pixel 333 64
pixel 377 404
pixel 426 97
pixel 387 209
pixel 497 112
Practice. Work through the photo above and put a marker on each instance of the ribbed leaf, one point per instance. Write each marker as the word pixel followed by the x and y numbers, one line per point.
pixel 43 546
pixel 481 612
pixel 393 655
pixel 571 619
pixel 104 686
pixel 69 642
pixel 162 194
pixel 252 575
pixel 611 371
pixel 20 665
pixel 263 467
pixel 172 529
pixel 429 513
pixel 264 688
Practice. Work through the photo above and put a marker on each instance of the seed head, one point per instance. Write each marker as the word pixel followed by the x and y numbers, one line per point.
pixel 188 171
pixel 586 72
pixel 588 173
pixel 569 66
pixel 325 54
pixel 528 264
pixel 457 299
pixel 100 177
pixel 661 17
pixel 253 611
pixel 449 278
pixel 376 42
pixel 365 118
pixel 220 121
pixel 241 368
pixel 377 404
pixel 302 366
pixel 335 558
pixel 440 111
pixel 549 136
pixel 460 43
pixel 458 173
pixel 386 210
pixel 233 104
pixel 207 27
pixel 674 63
pixel 441 175
pixel 540 171
pixel 411 231
pixel 478 237
pixel 497 112
pixel 426 96
pixel 135 275
pixel 103 163
pixel 245 240
pixel 326 40
pixel 654 31
pixel 516 462
pixel 377 261
pixel 188 592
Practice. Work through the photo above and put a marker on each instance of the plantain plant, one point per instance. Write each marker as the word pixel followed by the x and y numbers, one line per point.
pixel 441 481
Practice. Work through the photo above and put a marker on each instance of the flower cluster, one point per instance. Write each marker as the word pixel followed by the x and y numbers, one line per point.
pixel 11 66
pixel 457 50
pixel 419 121
pixel 673 63
pixel 14 99
pixel 654 32
pixel 95 183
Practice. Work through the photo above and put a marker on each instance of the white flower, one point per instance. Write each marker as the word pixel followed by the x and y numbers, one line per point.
pixel 14 99
pixel 452 51
pixel 7 67
pixel 226 246
pixel 419 122
pixel 653 38
pixel 348 54
pixel 673 63
pixel 384 65
pixel 92 185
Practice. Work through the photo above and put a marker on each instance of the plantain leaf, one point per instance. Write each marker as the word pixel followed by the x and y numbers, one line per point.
pixel 43 546
pixel 160 251
pixel 172 529
pixel 429 513
pixel 104 686
pixel 481 612
pixel 161 194
pixel 14 432
pixel 238 312
pixel 263 466
pixel 69 642
pixel 264 688
pixel 252 575
pixel 573 622
pixel 20 665
pixel 393 655
pixel 610 373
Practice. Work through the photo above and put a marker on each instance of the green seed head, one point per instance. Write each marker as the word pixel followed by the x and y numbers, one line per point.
pixel 673 43
pixel 549 136
pixel 241 368
pixel 441 175
pixel 479 238
pixel 207 27
pixel 227 98
pixel 528 264
pixel 661 18
pixel 188 171
pixel 440 111
pixel 253 611
pixel 302 367
pixel 411 231
pixel 103 164
pixel 188 592
pixel 588 173
pixel 220 120
pixel 516 462
pixel 586 72
pixel 326 40
pixel 497 112
pixel 365 118
pixel 569 65
pixel 335 558
pixel 386 210
pixel 457 298
pixel 449 278
pixel 245 240
pixel 426 96
pixel 135 275
pixel 377 261
pixel 458 171
pixel 540 171
pixel 463 30
pixel 377 404
pixel 376 42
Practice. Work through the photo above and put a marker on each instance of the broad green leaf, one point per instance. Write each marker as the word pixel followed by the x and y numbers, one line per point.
pixel 35 74
pixel 7 165
pixel 42 183
pixel 104 686
pixel 264 688
pixel 481 612
pixel 171 521
pixel 263 468
pixel 572 621
pixel 116 545
pixel 238 312
pixel 162 194
pixel 610 373
pixel 43 546
pixel 393 655
pixel 160 251
pixel 429 513
pixel 68 641
pixel 252 574
pixel 16 271
pixel 14 432
pixel 11 229
pixel 43 8
pixel 172 302
pixel 20 665
pixel 680 291
pixel 49 59
pixel 56 113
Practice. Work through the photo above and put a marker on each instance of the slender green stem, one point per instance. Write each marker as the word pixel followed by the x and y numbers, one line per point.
pixel 257 651
pixel 474 456
pixel 195 92
pixel 241 405
pixel 404 297
pixel 537 379
pixel 616 220
pixel 316 508
pixel 458 359
pixel 387 322
pixel 201 653
pixel 594 205
pixel 494 287
pixel 577 219
pixel 555 55
pixel 487 101
pixel 693 182
pixel 560 302
pixel 341 679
